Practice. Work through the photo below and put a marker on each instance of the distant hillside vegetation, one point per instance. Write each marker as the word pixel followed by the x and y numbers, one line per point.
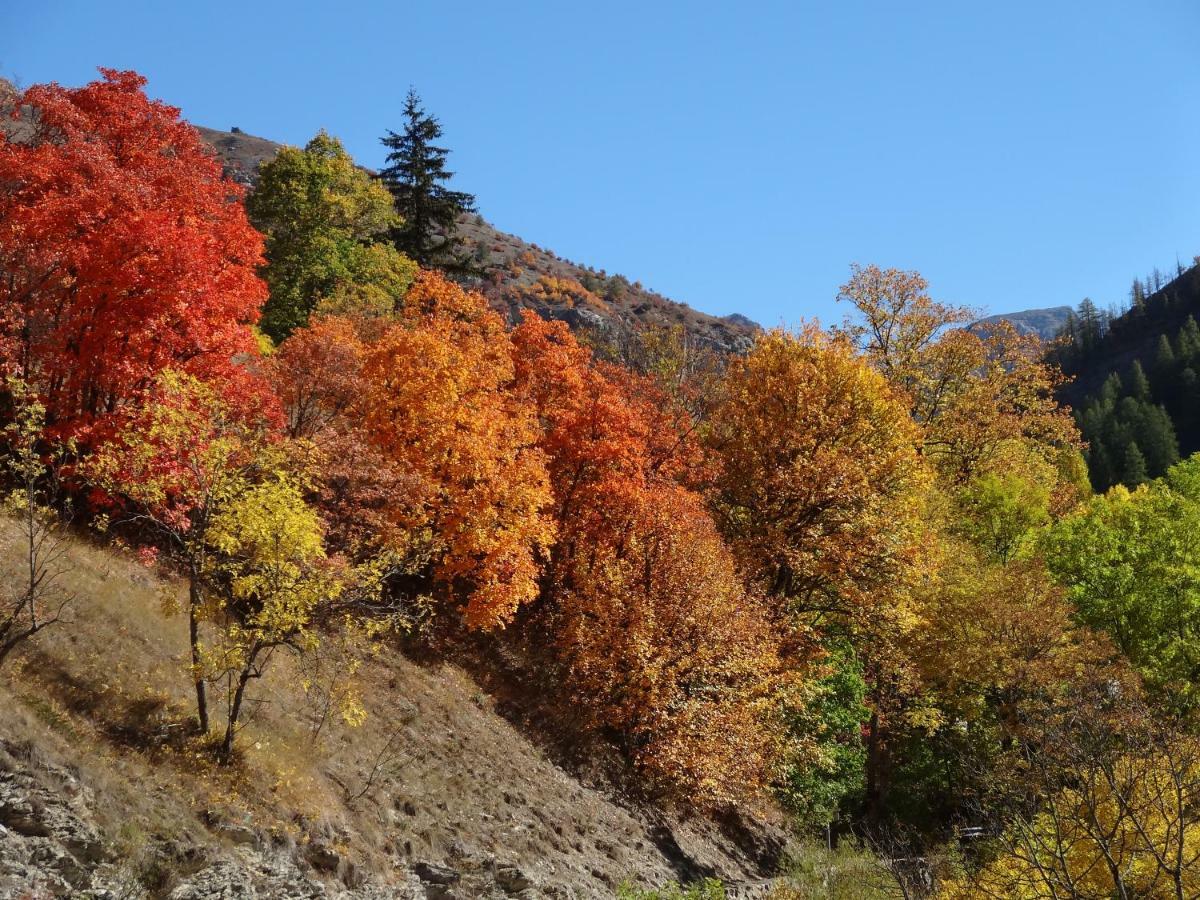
pixel 516 275
pixel 1135 384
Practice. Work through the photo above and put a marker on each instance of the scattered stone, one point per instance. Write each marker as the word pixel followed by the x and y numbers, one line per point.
pixel 512 880
pixel 435 874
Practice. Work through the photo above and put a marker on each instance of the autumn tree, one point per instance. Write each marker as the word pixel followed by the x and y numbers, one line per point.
pixel 646 611
pixel 438 404
pixel 317 374
pixel 819 483
pixel 976 391
pixel 325 221
pixel 171 468
pixel 1106 808
pixel 37 598
pixel 123 251
pixel 996 650
pixel 275 589
pixel 662 642
pixel 416 175
pixel 360 492
pixel 997 512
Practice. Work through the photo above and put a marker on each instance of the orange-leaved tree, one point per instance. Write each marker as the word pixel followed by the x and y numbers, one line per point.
pixel 663 644
pixel 648 617
pixel 439 404
pixel 367 498
pixel 123 250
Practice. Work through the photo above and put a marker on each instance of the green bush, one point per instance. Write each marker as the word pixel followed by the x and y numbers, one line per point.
pixel 708 889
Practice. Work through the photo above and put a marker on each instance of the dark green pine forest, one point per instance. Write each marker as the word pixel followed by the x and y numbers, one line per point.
pixel 1135 378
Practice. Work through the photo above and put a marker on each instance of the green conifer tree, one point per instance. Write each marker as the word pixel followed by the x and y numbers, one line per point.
pixel 1139 384
pixel 1111 392
pixel 1133 472
pixel 1188 341
pixel 1164 357
pixel 416 175
pixel 1157 440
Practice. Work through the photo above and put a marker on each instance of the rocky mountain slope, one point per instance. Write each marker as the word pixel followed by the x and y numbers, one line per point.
pixel 517 275
pixel 442 793
pixel 1045 323
pixel 514 274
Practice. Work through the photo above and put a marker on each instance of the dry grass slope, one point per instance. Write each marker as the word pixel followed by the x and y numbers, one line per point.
pixel 434 777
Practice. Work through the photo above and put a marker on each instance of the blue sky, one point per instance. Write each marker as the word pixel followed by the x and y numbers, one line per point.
pixel 738 156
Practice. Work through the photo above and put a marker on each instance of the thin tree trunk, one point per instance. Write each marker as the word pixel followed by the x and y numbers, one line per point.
pixel 194 636
pixel 873 791
pixel 235 710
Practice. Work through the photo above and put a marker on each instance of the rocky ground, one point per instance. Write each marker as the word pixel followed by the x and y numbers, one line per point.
pixel 450 789
pixel 52 847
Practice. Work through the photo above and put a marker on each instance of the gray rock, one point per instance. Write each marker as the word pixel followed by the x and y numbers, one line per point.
pixel 512 880
pixel 435 874
pixel 240 834
pixel 322 856
pixel 224 880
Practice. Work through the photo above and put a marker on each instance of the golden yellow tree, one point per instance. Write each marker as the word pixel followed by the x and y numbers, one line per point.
pixel 819 484
pixel 976 390
pixel 170 469
pixel 275 588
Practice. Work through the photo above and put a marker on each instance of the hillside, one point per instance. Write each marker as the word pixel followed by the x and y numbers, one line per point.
pixel 516 275
pixel 438 794
pixel 406 601
pixel 1134 381
pixel 1045 323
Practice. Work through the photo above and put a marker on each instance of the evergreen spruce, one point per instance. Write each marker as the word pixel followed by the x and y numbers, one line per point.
pixel 1164 357
pixel 1188 341
pixel 416 175
pixel 1157 440
pixel 1139 384
pixel 1091 327
pixel 1133 471
pixel 1111 392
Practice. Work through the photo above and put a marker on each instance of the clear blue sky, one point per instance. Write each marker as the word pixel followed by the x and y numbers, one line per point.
pixel 738 156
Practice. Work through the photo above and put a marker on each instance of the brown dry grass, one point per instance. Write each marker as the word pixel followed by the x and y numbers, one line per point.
pixel 434 774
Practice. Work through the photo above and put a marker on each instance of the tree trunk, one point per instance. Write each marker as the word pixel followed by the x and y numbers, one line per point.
pixel 874 789
pixel 194 636
pixel 235 710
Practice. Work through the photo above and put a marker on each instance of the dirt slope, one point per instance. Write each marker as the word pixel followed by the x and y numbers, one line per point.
pixel 436 795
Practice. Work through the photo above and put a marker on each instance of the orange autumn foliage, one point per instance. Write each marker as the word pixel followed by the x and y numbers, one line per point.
pixel 438 403
pixel 598 421
pixel 317 373
pixel 662 641
pixel 657 637
pixel 362 494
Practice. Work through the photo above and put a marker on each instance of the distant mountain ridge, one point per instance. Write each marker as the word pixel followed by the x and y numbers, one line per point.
pixel 1045 323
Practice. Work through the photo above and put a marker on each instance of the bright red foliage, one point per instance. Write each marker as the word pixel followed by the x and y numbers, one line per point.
pixel 123 252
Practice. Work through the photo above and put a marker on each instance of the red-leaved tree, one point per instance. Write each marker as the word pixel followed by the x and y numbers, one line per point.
pixel 123 251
